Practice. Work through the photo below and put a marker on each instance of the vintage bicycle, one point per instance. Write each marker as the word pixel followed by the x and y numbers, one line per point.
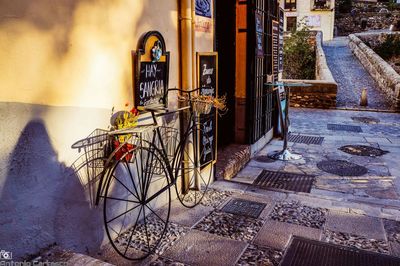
pixel 136 185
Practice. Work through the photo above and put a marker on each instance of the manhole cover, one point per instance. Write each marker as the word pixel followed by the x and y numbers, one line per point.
pixel 366 119
pixel 244 207
pixel 348 128
pixel 285 181
pixel 362 150
pixel 342 168
pixel 315 253
pixel 264 159
pixel 305 139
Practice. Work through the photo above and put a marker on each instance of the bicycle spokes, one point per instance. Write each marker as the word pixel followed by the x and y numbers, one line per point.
pixel 193 178
pixel 136 211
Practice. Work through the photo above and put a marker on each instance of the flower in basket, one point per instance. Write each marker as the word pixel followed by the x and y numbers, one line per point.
pixel 123 120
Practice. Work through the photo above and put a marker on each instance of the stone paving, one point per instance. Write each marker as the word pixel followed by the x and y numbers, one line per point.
pixel 351 77
pixel 362 212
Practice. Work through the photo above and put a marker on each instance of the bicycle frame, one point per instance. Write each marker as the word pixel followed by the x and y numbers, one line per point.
pixel 162 150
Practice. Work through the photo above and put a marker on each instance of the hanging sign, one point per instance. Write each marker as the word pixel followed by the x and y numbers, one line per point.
pixel 207 81
pixel 203 21
pixel 151 71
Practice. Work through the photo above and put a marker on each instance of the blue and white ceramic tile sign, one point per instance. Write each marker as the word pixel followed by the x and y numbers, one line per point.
pixel 203 8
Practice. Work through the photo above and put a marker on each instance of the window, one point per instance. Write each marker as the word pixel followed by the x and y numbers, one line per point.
pixel 320 4
pixel 291 23
pixel 290 4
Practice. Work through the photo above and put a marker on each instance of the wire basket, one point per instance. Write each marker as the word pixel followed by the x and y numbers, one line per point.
pixel 89 167
pixel 202 107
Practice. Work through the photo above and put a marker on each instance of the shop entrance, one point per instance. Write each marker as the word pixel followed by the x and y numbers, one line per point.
pixel 243 36
pixel 225 46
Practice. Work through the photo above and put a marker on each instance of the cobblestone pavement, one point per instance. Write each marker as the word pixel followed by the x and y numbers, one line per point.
pixel 361 212
pixel 351 77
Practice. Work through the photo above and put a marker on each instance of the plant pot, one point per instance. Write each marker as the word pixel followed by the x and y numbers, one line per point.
pixel 126 147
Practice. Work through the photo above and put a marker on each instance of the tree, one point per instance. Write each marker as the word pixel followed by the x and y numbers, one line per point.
pixel 299 54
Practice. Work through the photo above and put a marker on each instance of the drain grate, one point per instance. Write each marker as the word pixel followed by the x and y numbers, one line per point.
pixel 285 181
pixel 244 207
pixel 342 168
pixel 314 253
pixel 305 139
pixel 366 119
pixel 348 128
pixel 362 150
pixel 264 159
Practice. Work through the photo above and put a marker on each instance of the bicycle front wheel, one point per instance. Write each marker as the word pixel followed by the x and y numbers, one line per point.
pixel 192 167
pixel 137 203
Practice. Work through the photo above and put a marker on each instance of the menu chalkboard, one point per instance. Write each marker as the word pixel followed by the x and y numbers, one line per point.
pixel 275 49
pixel 281 30
pixel 151 71
pixel 152 83
pixel 207 74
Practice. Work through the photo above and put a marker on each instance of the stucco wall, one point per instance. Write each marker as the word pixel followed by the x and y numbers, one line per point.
pixel 327 17
pixel 63 66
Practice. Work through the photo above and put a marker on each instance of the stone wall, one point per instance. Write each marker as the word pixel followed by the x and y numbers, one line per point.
pixel 345 24
pixel 321 94
pixel 323 90
pixel 386 77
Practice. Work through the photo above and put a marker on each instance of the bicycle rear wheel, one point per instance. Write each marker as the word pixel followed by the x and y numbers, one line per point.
pixel 137 203
pixel 191 167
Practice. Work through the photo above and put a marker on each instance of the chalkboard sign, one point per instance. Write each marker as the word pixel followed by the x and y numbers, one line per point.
pixel 281 30
pixel 207 75
pixel 275 49
pixel 151 71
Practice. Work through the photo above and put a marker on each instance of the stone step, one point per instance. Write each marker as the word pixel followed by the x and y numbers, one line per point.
pixel 231 160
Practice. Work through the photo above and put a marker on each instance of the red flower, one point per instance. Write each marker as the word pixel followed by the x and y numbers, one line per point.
pixel 134 111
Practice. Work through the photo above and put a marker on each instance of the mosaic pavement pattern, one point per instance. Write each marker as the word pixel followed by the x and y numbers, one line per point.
pixel 231 226
pixel 295 213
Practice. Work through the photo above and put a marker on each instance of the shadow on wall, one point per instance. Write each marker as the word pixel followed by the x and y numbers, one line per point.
pixel 42 202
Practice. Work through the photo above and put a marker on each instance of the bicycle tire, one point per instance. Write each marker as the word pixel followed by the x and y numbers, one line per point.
pixel 131 191
pixel 188 169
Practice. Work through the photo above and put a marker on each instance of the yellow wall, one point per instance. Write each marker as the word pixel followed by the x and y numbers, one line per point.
pixel 77 52
pixel 63 65
pixel 327 17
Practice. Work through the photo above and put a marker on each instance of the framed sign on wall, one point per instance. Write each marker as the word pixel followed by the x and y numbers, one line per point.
pixel 207 81
pixel 150 67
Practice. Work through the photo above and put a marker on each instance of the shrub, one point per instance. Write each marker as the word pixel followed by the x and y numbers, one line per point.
pixel 299 54
pixel 389 47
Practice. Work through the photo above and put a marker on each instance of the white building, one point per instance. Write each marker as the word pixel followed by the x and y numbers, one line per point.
pixel 318 14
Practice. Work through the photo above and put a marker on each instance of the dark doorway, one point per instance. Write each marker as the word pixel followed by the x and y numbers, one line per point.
pixel 225 18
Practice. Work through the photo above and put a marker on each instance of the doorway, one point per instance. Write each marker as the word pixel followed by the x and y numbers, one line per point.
pixel 243 34
pixel 225 46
